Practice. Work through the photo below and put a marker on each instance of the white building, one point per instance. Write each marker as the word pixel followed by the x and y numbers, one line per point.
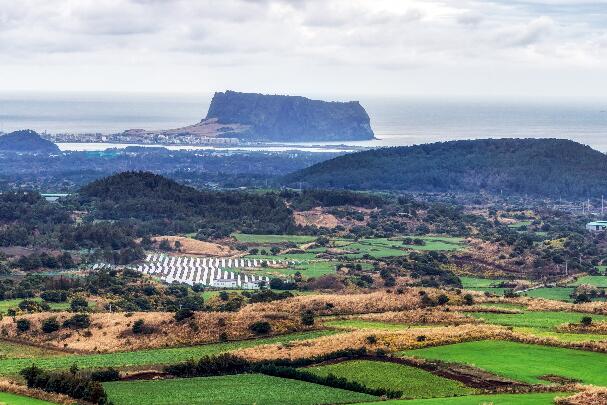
pixel 597 226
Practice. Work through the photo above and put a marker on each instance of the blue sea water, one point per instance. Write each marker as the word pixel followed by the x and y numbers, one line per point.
pixel 396 121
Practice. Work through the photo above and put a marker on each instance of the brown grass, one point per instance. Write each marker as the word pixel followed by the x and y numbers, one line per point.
pixel 196 247
pixel 391 341
pixel 315 217
pixel 418 316
pixel 18 389
pixel 112 332
pixel 588 395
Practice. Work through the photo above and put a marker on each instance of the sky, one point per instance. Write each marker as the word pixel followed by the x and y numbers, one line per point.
pixel 461 48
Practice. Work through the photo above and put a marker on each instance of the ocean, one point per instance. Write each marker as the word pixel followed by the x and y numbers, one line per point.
pixel 396 121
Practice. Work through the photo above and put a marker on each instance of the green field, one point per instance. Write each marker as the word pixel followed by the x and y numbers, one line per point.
pixel 475 282
pixel 5 305
pixel 12 399
pixel 307 267
pixel 230 389
pixel 269 239
pixel 362 324
pixel 564 337
pixel 519 224
pixel 149 357
pixel 413 382
pixel 522 362
pixel 597 281
pixel 554 293
pixel 384 247
pixel 500 399
pixel 534 319
pixel 9 350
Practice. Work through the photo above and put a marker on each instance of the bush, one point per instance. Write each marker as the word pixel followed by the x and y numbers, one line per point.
pixel 33 306
pixel 209 366
pixel 138 326
pixel 307 317
pixel 50 325
pixel 468 299
pixel 109 374
pixel 586 321
pixel 183 314
pixel 79 304
pixel 442 299
pixel 260 327
pixel 54 296
pixel 23 325
pixel 67 383
pixel 78 321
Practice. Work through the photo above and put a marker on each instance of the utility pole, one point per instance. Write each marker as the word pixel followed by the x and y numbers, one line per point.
pixel 602 205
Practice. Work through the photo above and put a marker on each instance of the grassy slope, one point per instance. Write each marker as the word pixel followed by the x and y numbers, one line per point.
pixel 12 399
pixel 523 362
pixel 145 357
pixel 231 389
pixel 539 319
pixel 242 237
pixel 10 350
pixel 598 281
pixel 413 382
pixel 554 293
pixel 501 399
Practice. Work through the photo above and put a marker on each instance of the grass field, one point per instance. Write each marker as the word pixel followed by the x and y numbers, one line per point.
pixel 534 319
pixel 519 224
pixel 308 268
pixel 383 247
pixel 413 382
pixel 12 399
pixel 230 389
pixel 361 324
pixel 554 293
pixel 597 281
pixel 150 357
pixel 5 305
pixel 602 269
pixel 475 282
pixel 565 337
pixel 269 239
pixel 500 399
pixel 523 362
pixel 9 350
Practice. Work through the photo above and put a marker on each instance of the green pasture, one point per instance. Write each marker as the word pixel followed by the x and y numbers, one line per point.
pixel 413 382
pixel 150 357
pixel 534 319
pixel 13 399
pixel 10 350
pixel 270 239
pixel 522 362
pixel 551 293
pixel 362 324
pixel 228 390
pixel 499 399
pixel 476 282
pixel 597 281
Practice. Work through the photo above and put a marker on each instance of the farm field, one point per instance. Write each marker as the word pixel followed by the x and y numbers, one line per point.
pixel 597 281
pixel 534 319
pixel 363 324
pixel 522 362
pixel 553 293
pixel 476 282
pixel 500 399
pixel 269 239
pixel 5 305
pixel 231 389
pixel 12 399
pixel 146 357
pixel 413 382
pixel 564 337
pixel 10 350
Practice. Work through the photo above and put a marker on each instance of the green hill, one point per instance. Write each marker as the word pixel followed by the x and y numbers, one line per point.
pixel 26 141
pixel 539 167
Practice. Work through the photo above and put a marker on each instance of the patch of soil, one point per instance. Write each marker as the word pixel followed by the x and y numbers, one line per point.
pixel 557 379
pixel 190 246
pixel 315 217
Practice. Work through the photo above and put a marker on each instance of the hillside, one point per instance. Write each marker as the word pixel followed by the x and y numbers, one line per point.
pixel 26 141
pixel 540 167
pixel 290 118
pixel 167 206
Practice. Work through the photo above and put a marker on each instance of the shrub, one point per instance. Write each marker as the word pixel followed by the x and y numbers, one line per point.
pixel 79 304
pixel 421 338
pixel 109 374
pixel 307 317
pixel 586 321
pixel 371 339
pixel 260 327
pixel 183 314
pixel 54 296
pixel 67 383
pixel 23 325
pixel 442 299
pixel 468 299
pixel 221 364
pixel 138 326
pixel 50 325
pixel 33 306
pixel 78 321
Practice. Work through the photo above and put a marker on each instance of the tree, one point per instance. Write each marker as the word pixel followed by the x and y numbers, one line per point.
pixel 138 326
pixel 183 314
pixel 442 299
pixel 586 321
pixel 79 304
pixel 468 299
pixel 307 317
pixel 274 250
pixel 50 325
pixel 23 325
pixel 77 321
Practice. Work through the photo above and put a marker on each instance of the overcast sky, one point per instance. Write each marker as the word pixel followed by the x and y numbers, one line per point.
pixel 542 48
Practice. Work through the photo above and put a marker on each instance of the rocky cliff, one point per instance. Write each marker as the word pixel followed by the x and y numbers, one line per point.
pixel 288 118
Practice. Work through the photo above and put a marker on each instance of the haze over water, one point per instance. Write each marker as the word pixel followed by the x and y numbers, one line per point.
pixel 396 121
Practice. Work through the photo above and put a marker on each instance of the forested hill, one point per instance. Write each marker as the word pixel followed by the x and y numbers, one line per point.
pixel 539 167
pixel 165 206
pixel 26 141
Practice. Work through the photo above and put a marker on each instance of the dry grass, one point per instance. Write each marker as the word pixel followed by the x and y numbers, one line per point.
pixel 549 305
pixel 599 328
pixel 18 389
pixel 315 217
pixel 110 332
pixel 196 247
pixel 588 395
pixel 389 341
pixel 418 316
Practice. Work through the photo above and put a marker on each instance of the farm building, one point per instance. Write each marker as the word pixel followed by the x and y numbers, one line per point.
pixel 597 226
